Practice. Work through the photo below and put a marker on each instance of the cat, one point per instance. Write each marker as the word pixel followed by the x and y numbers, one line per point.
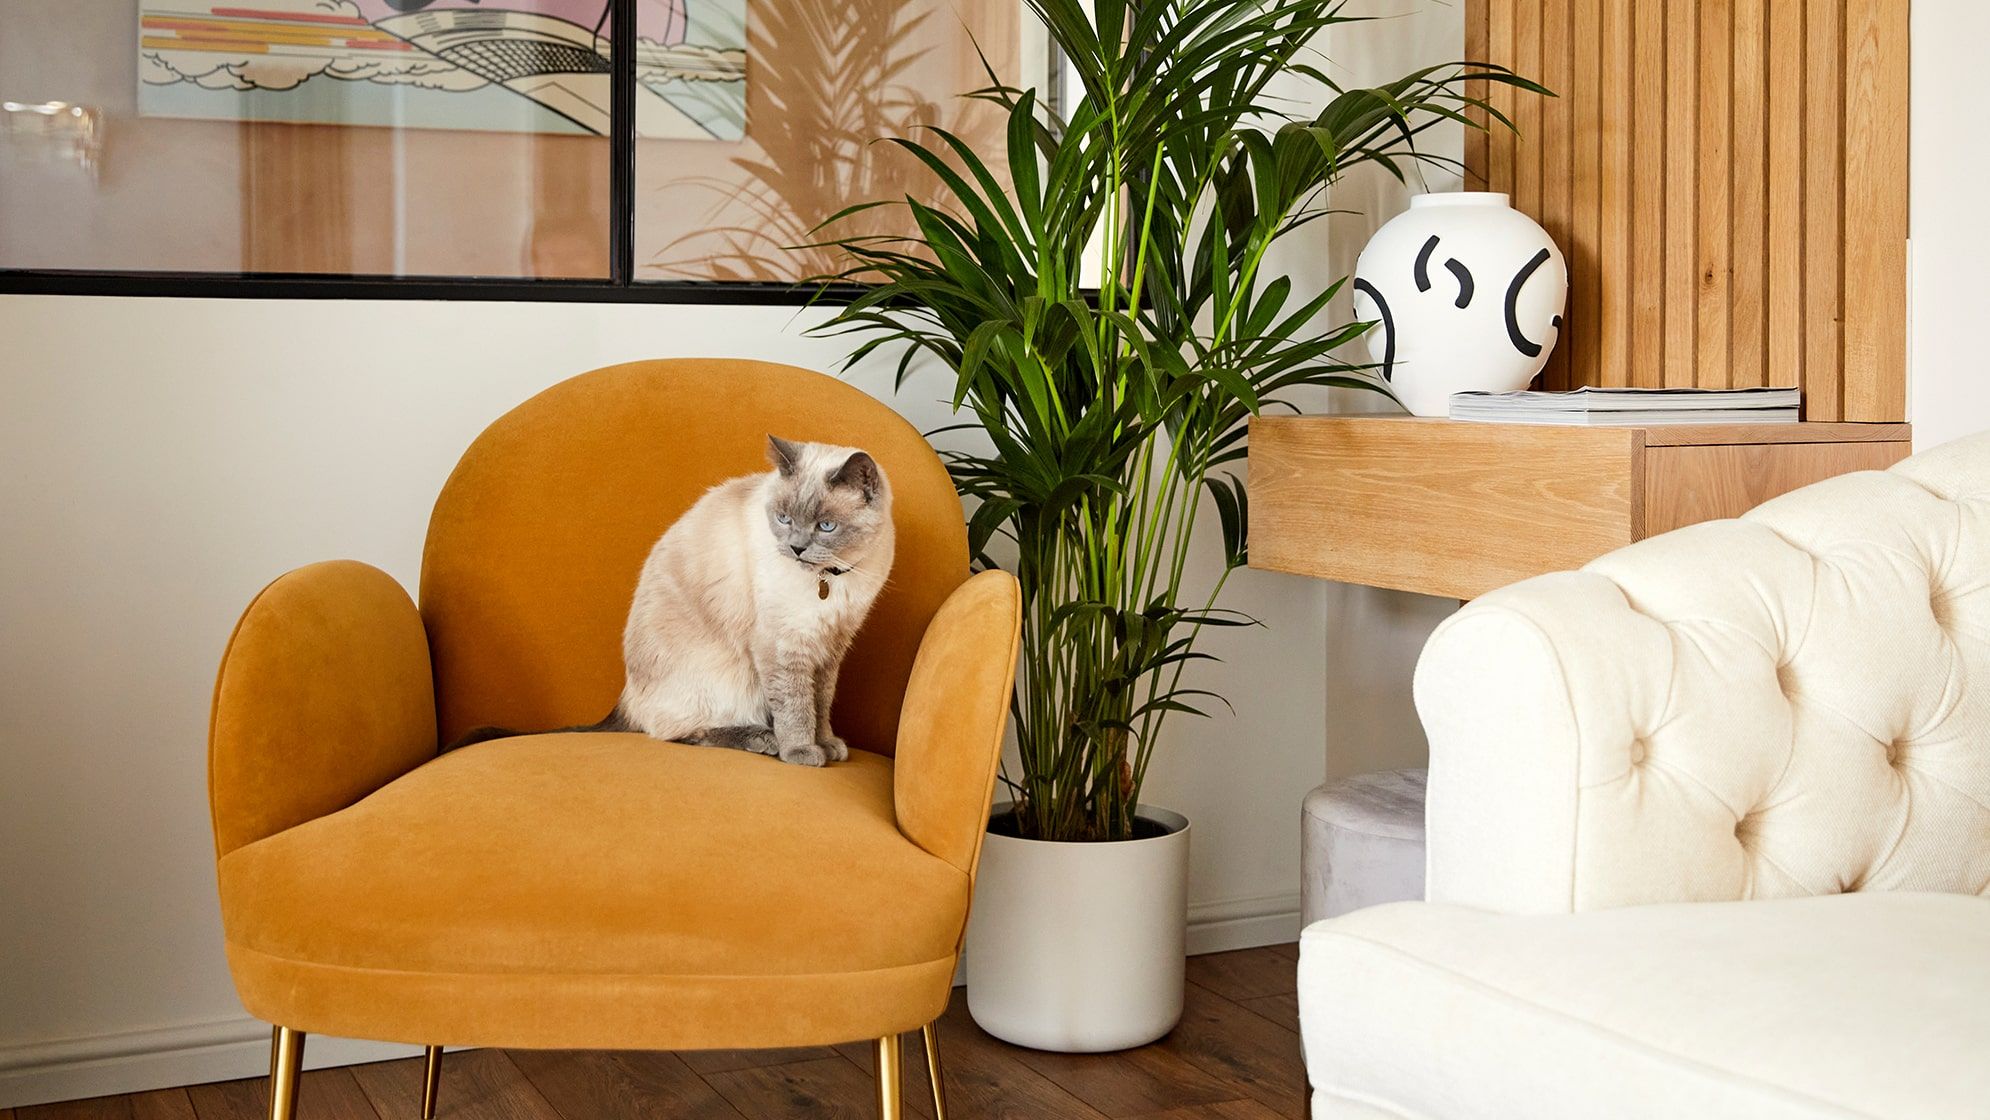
pixel 746 606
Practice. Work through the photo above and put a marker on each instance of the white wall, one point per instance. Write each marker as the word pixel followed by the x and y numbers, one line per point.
pixel 160 460
pixel 1949 259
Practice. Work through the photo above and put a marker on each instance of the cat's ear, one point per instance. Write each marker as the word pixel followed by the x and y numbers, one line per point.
pixel 859 472
pixel 784 454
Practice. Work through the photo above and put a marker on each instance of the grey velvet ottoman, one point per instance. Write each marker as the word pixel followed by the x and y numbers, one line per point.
pixel 1362 843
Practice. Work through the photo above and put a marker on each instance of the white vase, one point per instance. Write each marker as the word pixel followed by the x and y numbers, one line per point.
pixel 1466 292
pixel 1079 947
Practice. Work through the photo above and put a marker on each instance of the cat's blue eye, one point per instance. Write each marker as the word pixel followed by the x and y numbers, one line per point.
pixel 825 526
pixel 782 518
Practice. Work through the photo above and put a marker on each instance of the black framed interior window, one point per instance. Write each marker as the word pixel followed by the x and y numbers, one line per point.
pixel 510 149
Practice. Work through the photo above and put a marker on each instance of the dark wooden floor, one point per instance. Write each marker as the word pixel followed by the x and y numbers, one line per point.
pixel 1235 1056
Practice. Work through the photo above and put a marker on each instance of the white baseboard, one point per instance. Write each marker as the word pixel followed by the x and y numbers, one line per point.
pixel 188 1054
pixel 1242 923
pixel 226 1049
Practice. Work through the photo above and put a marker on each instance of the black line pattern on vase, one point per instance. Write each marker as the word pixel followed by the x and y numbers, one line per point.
pixel 1465 286
pixel 1423 264
pixel 1388 327
pixel 1521 342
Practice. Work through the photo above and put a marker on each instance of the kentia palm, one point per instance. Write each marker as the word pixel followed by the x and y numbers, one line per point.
pixel 1115 399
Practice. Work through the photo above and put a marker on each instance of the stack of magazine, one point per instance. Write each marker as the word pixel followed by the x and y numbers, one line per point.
pixel 1639 407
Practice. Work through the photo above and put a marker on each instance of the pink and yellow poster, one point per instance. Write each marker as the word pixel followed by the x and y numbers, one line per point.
pixel 493 65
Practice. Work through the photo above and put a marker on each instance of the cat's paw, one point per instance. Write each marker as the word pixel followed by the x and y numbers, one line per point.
pixel 806 755
pixel 834 747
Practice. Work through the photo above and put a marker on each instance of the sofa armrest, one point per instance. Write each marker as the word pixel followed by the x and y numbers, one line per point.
pixel 1499 814
pixel 956 707
pixel 325 694
pixel 1788 703
pixel 1538 700
pixel 1585 753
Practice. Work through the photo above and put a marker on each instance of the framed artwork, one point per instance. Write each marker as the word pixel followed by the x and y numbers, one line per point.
pixel 486 65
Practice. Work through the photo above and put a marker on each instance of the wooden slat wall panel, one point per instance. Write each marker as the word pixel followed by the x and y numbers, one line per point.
pixel 1824 202
pixel 1647 191
pixel 1875 204
pixel 1500 44
pixel 1749 228
pixel 1585 132
pixel 1786 193
pixel 1477 45
pixel 1528 111
pixel 1682 194
pixel 1557 177
pixel 1712 268
pixel 1615 126
pixel 1702 169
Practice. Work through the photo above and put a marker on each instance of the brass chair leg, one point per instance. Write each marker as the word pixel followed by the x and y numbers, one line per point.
pixel 286 1064
pixel 431 1081
pixel 890 1078
pixel 930 1035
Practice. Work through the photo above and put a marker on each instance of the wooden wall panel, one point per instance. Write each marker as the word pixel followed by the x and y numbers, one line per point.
pixel 1529 111
pixel 1748 165
pixel 1497 168
pixel 1615 124
pixel 1585 141
pixel 1713 266
pixel 1647 193
pixel 1557 171
pixel 1822 375
pixel 1682 192
pixel 1785 204
pixel 1728 179
pixel 1875 296
pixel 1477 35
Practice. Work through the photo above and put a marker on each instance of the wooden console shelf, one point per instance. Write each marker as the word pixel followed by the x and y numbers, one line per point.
pixel 1456 509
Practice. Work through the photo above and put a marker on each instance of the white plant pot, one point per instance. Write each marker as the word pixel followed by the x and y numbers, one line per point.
pixel 1467 294
pixel 1080 948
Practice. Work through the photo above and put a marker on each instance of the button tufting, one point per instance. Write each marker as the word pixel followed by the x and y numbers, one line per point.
pixel 1785 678
pixel 1942 607
pixel 1639 750
pixel 1896 752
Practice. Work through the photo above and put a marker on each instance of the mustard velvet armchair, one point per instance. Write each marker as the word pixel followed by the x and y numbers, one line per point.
pixel 602 890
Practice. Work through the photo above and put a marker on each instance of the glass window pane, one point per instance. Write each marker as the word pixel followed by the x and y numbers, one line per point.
pixel 822 81
pixel 398 137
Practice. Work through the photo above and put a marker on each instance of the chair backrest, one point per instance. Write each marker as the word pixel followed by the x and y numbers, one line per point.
pixel 1796 702
pixel 539 535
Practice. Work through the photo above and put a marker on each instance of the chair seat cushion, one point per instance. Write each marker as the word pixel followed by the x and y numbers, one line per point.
pixel 1869 1004
pixel 582 872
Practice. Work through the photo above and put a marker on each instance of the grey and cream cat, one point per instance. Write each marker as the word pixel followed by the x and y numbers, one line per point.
pixel 748 603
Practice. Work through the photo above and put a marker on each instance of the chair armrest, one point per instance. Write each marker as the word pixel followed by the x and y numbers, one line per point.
pixel 325 694
pixel 956 707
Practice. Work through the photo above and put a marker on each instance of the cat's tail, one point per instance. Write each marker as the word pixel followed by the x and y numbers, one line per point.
pixel 613 721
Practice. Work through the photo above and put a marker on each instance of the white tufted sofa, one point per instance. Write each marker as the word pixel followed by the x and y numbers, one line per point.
pixel 1709 831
